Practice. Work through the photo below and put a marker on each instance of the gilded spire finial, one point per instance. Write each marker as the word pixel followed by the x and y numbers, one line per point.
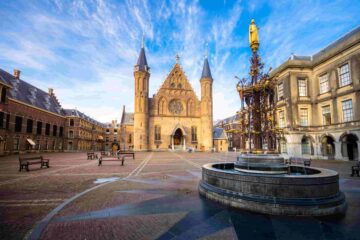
pixel 142 40
pixel 177 58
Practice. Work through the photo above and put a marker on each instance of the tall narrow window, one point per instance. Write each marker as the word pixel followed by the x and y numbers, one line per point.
pixel 280 91
pixel 193 134
pixel 324 83
pixel 71 122
pixel 29 126
pixel 304 121
pixel 281 119
pixel 18 124
pixel 47 129
pixel 305 146
pixel 344 75
pixel 347 110
pixel 54 130
pixel 7 121
pixel 16 143
pixel 326 114
pixel 157 133
pixel 3 95
pixel 2 118
pixel 61 130
pixel 302 87
pixel 39 128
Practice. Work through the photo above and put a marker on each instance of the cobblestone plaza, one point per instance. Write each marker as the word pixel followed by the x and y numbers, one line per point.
pixel 152 197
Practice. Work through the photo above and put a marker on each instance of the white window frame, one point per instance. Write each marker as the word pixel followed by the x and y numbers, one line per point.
pixel 325 110
pixel 280 91
pixel 324 83
pixel 302 87
pixel 304 118
pixel 348 111
pixel 281 118
pixel 344 77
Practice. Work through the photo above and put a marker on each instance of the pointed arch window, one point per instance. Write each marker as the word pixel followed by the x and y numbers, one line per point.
pixel 162 106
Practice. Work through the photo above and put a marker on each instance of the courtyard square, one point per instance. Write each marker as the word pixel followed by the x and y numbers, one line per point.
pixel 154 196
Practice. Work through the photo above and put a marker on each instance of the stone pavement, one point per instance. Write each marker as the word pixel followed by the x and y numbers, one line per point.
pixel 152 197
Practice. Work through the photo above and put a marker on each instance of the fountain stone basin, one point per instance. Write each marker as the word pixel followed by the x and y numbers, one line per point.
pixel 303 191
pixel 256 163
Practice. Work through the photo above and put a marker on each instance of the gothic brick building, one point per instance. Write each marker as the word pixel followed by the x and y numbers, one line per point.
pixel 174 118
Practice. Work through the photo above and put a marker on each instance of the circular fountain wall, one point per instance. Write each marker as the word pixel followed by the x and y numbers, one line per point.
pixel 298 190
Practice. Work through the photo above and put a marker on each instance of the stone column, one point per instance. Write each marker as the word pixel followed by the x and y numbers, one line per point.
pixel 338 155
pixel 184 143
pixel 358 147
pixel 172 142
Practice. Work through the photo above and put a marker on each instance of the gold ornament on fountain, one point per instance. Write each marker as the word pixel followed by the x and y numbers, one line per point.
pixel 253 36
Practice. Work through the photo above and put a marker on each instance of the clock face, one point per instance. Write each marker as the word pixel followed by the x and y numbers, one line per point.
pixel 175 107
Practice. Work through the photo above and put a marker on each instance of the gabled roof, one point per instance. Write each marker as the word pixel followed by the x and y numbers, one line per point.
pixel 219 133
pixel 206 69
pixel 29 94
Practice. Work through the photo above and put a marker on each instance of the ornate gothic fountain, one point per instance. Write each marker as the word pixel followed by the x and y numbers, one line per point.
pixel 264 182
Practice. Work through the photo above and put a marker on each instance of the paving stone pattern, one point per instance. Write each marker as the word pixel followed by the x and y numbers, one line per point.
pixel 156 197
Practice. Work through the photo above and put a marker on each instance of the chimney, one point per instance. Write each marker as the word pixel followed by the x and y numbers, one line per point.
pixel 17 73
pixel 51 91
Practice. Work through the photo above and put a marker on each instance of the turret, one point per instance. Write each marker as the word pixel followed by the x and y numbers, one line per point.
pixel 206 105
pixel 141 113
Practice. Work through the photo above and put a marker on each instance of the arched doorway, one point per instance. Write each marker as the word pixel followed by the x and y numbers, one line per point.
pixel 178 139
pixel 349 147
pixel 328 147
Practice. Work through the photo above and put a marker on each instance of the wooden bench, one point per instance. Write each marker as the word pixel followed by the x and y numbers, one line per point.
pixel 24 162
pixel 130 153
pixel 91 155
pixel 300 161
pixel 105 158
pixel 355 169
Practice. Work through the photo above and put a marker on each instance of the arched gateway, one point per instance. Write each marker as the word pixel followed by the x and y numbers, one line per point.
pixel 178 139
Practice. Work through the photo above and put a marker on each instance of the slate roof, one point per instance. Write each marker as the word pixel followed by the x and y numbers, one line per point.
pixel 219 133
pixel 127 118
pixel 206 69
pixel 141 62
pixel 77 113
pixel 29 94
pixel 228 120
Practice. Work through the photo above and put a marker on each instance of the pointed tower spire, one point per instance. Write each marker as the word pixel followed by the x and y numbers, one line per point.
pixel 141 64
pixel 206 68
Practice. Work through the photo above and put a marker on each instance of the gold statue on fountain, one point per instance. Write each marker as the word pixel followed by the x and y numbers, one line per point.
pixel 253 36
pixel 257 119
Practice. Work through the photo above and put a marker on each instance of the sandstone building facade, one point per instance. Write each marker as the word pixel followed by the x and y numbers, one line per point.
pixel 318 100
pixel 174 118
pixel 317 103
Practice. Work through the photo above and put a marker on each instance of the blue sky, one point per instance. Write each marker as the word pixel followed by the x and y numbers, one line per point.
pixel 86 50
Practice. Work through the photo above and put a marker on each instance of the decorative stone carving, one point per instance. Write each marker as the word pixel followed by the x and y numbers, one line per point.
pixel 175 106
